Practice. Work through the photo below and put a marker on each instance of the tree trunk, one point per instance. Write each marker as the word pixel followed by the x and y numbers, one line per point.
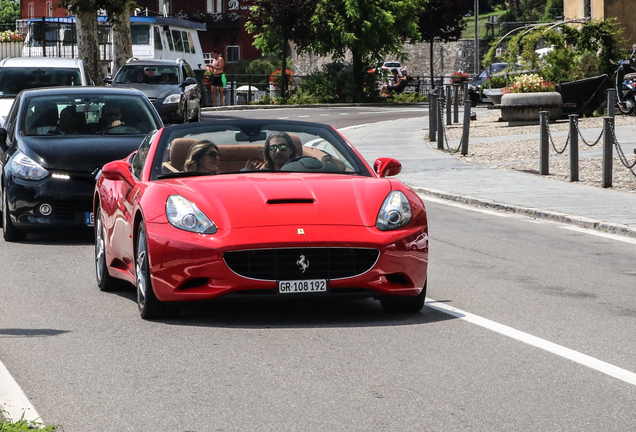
pixel 432 71
pixel 88 44
pixel 283 74
pixel 359 69
pixel 122 40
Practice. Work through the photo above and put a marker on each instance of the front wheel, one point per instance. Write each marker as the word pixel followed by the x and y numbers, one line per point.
pixel 627 105
pixel 105 281
pixel 404 304
pixel 9 231
pixel 150 307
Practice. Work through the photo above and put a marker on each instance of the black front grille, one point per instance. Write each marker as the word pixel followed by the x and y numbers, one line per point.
pixel 286 264
pixel 71 209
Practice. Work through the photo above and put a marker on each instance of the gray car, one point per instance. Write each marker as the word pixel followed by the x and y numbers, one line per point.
pixel 169 84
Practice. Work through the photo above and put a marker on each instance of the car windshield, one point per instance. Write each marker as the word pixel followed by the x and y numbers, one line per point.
pixel 147 74
pixel 252 149
pixel 15 79
pixel 86 114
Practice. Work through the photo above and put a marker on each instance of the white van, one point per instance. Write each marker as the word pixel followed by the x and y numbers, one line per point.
pixel 160 38
pixel 21 73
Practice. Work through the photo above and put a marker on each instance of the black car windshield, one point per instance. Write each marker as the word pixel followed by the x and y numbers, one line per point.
pixel 254 148
pixel 148 74
pixel 86 114
pixel 15 79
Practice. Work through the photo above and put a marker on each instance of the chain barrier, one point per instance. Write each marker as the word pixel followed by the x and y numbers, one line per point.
pixel 583 138
pixel 441 106
pixel 567 141
pixel 621 154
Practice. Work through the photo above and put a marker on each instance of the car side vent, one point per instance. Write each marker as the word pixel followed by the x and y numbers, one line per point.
pixel 291 201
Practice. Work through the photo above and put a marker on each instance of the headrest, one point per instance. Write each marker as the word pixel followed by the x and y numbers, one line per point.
pixel 297 143
pixel 179 151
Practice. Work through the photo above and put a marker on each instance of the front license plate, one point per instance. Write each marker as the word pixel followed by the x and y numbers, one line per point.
pixel 90 219
pixel 302 286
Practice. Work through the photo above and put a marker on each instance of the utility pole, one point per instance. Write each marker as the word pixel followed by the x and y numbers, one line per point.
pixel 477 65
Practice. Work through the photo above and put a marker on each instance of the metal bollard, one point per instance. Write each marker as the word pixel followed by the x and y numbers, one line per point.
pixel 449 104
pixel 456 103
pixel 608 142
pixel 611 102
pixel 432 116
pixel 544 144
pixel 466 130
pixel 440 123
pixel 574 149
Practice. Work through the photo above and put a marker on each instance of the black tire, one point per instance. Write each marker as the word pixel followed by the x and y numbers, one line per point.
pixel 9 231
pixel 404 304
pixel 150 307
pixel 105 281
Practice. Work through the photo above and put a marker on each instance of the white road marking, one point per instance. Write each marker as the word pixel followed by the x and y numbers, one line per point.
pixel 344 114
pixel 575 356
pixel 14 401
pixel 324 115
pixel 601 234
pixel 303 116
pixel 282 118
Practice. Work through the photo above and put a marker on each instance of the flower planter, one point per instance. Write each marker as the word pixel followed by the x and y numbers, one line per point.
pixel 494 95
pixel 523 108
pixel 458 80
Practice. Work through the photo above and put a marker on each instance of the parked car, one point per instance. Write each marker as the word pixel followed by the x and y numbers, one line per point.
pixel 325 224
pixel 55 142
pixel 169 84
pixel 21 73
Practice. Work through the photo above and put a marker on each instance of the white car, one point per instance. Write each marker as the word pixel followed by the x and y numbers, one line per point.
pixel 20 73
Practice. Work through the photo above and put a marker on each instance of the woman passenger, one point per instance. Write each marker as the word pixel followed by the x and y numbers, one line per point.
pixel 203 157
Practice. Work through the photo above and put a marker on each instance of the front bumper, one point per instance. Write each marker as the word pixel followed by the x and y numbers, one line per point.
pixel 169 113
pixel 187 266
pixel 69 200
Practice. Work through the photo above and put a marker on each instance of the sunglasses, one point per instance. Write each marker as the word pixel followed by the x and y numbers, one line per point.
pixel 213 154
pixel 281 147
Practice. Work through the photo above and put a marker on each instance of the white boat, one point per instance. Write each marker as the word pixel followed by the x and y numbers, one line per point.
pixel 159 37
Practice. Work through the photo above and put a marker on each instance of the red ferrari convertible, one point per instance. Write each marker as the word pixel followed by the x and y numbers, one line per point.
pixel 263 208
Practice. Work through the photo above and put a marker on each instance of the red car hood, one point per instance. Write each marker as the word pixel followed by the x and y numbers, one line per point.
pixel 256 200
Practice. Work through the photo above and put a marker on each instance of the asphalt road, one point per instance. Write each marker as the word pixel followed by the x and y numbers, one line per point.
pixel 88 362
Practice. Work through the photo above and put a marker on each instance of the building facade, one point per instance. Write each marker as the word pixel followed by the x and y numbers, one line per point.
pixel 623 10
pixel 224 21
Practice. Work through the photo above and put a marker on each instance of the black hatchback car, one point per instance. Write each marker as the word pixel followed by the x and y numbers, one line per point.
pixel 55 142
pixel 169 84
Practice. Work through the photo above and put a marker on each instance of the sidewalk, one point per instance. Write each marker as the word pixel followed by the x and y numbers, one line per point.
pixel 434 172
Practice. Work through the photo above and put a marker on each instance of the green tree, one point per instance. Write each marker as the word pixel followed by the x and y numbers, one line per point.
pixel 276 22
pixel 368 29
pixel 442 20
pixel 85 12
pixel 9 11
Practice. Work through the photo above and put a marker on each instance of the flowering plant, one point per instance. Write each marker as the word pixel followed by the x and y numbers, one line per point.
pixel 11 36
pixel 459 74
pixel 275 78
pixel 531 83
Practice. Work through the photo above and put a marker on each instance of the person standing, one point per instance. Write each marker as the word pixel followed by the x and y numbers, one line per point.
pixel 218 64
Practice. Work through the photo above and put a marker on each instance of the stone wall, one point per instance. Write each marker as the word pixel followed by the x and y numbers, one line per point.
pixel 447 57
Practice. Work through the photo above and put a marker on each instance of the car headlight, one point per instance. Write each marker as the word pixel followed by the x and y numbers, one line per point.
pixel 394 213
pixel 173 98
pixel 26 168
pixel 472 87
pixel 185 215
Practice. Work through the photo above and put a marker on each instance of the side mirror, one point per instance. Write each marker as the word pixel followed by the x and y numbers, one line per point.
pixel 387 167
pixel 108 80
pixel 189 81
pixel 3 139
pixel 118 171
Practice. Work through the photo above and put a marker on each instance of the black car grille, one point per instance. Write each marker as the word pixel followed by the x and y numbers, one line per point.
pixel 71 209
pixel 286 264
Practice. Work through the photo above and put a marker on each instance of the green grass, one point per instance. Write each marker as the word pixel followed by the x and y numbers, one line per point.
pixel 25 425
pixel 469 31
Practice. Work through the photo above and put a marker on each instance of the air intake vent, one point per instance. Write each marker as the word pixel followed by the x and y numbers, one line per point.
pixel 291 201
pixel 282 264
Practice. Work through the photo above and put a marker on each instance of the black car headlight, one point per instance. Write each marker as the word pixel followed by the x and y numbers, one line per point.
pixel 394 213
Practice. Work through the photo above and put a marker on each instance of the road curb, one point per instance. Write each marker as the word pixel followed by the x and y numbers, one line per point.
pixel 580 221
pixel 257 107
